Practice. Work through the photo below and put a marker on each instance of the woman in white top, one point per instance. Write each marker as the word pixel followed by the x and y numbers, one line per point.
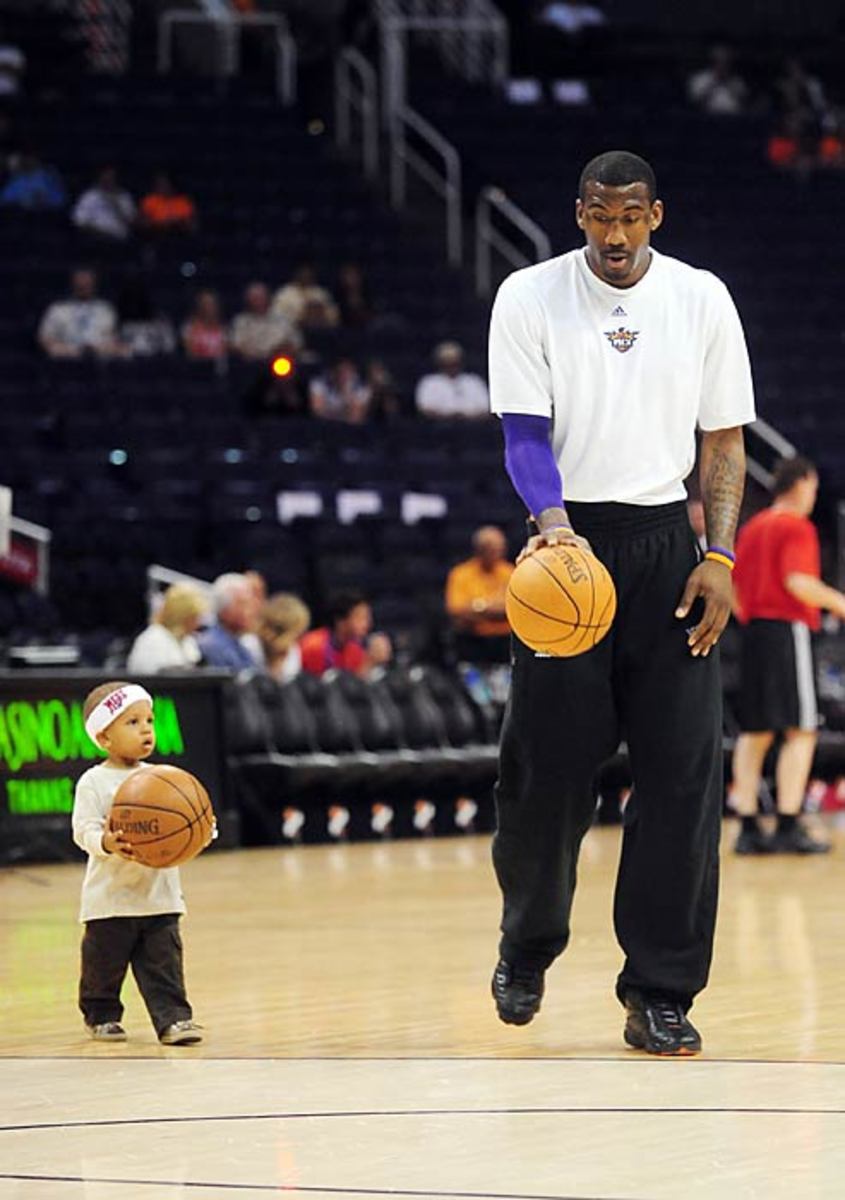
pixel 168 642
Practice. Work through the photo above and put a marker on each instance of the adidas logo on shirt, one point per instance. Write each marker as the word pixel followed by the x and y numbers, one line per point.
pixel 619 311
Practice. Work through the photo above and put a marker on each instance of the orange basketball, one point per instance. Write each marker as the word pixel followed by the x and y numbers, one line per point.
pixel 560 601
pixel 165 813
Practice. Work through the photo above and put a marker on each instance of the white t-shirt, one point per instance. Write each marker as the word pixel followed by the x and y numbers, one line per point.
pixel 114 887
pixel 111 213
pixel 462 395
pixel 157 649
pixel 82 324
pixel 626 374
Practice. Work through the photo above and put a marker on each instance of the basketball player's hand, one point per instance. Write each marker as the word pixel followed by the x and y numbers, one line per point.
pixel 115 843
pixel 712 582
pixel 553 537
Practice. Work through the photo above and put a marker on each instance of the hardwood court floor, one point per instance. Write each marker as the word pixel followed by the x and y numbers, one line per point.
pixel 352 1049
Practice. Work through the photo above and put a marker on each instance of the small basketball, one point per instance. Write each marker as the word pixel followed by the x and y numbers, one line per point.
pixel 560 601
pixel 165 813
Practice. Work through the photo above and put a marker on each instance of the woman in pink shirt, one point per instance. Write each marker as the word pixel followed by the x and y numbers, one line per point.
pixel 204 333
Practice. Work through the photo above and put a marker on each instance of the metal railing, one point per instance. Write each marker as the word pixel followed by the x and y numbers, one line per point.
pixel 159 577
pixel 350 68
pixel 228 30
pixel 444 181
pixel 470 36
pixel 489 238
pixel 775 442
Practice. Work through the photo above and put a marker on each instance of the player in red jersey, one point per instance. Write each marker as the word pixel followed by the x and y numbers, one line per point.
pixel 779 596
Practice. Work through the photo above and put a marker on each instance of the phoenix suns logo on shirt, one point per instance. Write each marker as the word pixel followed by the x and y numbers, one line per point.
pixel 622 339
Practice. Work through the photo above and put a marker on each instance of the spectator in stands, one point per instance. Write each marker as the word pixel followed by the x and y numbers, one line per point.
pixel 105 210
pixel 304 302
pixel 799 92
pixel 385 402
pixel 572 17
pixel 340 395
pixel 258 586
pixel 779 595
pixel 563 41
pixel 34 186
pixel 832 143
pixel 204 335
pixel 82 324
pixel 475 599
pixel 346 642
pixel 795 146
pixel 168 642
pixel 164 210
pixel 272 394
pixel 354 300
pixel 283 620
pixel 12 67
pixel 450 391
pixel 719 89
pixel 144 332
pixel 236 612
pixel 257 333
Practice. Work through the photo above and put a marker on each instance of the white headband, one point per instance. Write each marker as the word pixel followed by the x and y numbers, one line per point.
pixel 111 706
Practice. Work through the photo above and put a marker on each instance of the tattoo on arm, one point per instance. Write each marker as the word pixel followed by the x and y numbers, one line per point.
pixel 722 475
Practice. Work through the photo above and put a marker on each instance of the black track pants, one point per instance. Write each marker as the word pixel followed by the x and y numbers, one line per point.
pixel 153 947
pixel 566 716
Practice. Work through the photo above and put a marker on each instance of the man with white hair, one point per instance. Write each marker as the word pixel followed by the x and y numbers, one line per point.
pixel 258 333
pixel 450 392
pixel 236 608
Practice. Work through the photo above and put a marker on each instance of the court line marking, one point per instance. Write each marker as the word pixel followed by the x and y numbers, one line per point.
pixel 630 1057
pixel 428 1194
pixel 567 1110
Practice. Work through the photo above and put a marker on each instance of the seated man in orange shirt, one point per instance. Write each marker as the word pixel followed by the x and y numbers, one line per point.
pixel 475 599
pixel 164 210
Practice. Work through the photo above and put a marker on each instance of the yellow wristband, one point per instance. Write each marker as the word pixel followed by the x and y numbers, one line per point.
pixel 715 556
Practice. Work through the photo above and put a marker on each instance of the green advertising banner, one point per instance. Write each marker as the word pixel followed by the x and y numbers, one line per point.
pixel 44 747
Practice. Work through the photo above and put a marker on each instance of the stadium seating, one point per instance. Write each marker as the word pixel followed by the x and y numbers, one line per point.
pixel 159 460
pixel 766 233
pixel 404 734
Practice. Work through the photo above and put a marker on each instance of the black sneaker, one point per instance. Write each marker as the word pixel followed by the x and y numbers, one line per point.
pixel 798 841
pixel 658 1024
pixel 517 992
pixel 753 841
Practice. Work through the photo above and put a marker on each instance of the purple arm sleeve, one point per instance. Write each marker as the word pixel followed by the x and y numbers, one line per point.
pixel 530 461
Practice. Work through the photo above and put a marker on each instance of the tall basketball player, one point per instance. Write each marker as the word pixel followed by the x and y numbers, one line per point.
pixel 603 362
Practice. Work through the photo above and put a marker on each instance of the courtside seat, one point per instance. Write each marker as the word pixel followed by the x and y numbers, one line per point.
pixel 406 732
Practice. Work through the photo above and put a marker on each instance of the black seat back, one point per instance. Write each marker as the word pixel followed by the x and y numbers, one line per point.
pixel 460 718
pixel 421 718
pixel 378 720
pixel 245 721
pixel 291 723
pixel 335 726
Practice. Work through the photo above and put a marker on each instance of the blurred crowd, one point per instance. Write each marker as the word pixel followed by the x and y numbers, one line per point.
pixel 809 128
pixel 233 624
pixel 304 335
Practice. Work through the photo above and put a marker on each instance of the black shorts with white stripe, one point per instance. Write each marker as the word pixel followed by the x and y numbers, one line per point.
pixel 777 689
